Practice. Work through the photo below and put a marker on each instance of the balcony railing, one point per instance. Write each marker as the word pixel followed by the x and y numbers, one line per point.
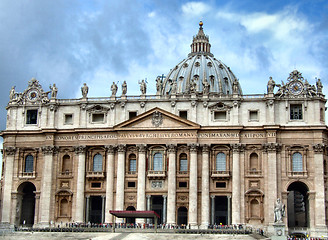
pixel 254 172
pixel 156 174
pixel 91 174
pixel 297 174
pixel 220 174
pixel 182 173
pixel 27 174
pixel 132 172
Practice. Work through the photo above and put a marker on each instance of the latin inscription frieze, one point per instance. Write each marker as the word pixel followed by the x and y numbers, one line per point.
pixel 188 135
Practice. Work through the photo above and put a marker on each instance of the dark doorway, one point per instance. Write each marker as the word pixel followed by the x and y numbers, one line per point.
pixel 95 213
pixel 182 216
pixel 297 205
pixel 157 206
pixel 221 210
pixel 131 220
pixel 28 204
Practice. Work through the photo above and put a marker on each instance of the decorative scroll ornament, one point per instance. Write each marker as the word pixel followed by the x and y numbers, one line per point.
pixel 49 149
pixel 319 148
pixel 157 119
pixel 80 149
pixel 10 150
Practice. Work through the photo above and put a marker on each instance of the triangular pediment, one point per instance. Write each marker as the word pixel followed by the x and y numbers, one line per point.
pixel 157 118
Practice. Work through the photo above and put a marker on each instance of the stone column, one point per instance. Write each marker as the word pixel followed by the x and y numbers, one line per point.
pixel 164 208
pixel 148 206
pixel 271 179
pixel 319 187
pixel 120 180
pixel 205 187
pixel 37 204
pixel 79 196
pixel 229 209
pixel 87 208
pixel 103 200
pixel 7 183
pixel 212 209
pixel 46 188
pixel 235 183
pixel 109 183
pixel 141 191
pixel 171 192
pixel 193 188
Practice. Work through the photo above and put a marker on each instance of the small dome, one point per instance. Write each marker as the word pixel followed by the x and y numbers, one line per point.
pixel 200 69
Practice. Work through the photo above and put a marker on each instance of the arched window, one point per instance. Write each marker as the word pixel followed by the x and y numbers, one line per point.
pixel 253 162
pixel 97 163
pixel 221 162
pixel 183 162
pixel 297 162
pixel 66 167
pixel 132 163
pixel 29 161
pixel 64 207
pixel 255 209
pixel 158 162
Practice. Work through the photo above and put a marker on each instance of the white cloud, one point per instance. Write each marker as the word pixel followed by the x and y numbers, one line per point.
pixel 195 8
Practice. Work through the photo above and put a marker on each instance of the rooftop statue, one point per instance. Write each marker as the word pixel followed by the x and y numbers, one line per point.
pixel 114 89
pixel 84 90
pixel 143 87
pixel 54 91
pixel 271 85
pixel 124 88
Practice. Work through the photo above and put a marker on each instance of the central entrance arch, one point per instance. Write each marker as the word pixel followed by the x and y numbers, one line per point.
pixel 298 205
pixel 26 207
pixel 130 219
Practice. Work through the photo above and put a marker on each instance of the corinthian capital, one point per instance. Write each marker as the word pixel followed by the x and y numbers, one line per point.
pixel 10 150
pixel 272 147
pixel 48 149
pixel 237 147
pixel 193 147
pixel 121 148
pixel 110 148
pixel 205 148
pixel 318 148
pixel 142 147
pixel 80 149
pixel 171 148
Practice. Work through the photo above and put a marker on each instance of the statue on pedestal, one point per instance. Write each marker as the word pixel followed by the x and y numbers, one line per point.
pixel 279 211
pixel 124 88
pixel 84 90
pixel 271 85
pixel 54 91
pixel 114 89
pixel 143 87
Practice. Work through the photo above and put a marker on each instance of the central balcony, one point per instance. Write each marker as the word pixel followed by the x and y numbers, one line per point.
pixel 220 174
pixel 91 174
pixel 153 174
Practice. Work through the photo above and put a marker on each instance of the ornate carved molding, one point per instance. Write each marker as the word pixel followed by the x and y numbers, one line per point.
pixel 79 149
pixel 157 119
pixel 110 148
pixel 121 148
pixel 171 148
pixel 49 149
pixel 142 147
pixel 10 150
pixel 318 148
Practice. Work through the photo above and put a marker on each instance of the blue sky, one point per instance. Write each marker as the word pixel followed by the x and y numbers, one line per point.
pixel 98 42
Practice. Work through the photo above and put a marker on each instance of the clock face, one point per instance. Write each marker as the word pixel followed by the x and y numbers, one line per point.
pixel 296 87
pixel 33 94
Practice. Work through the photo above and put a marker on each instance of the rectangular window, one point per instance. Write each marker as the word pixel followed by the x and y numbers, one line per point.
pixel 68 119
pixel 131 184
pixel 296 112
pixel 220 116
pixel 183 114
pixel 98 118
pixel 95 185
pixel 220 184
pixel 182 184
pixel 32 116
pixel 133 165
pixel 253 116
pixel 132 115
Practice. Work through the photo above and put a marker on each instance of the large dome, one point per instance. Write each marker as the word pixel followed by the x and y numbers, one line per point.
pixel 201 69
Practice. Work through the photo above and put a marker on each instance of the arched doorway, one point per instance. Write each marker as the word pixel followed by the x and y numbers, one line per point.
pixel 182 216
pixel 130 220
pixel 298 205
pixel 27 204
